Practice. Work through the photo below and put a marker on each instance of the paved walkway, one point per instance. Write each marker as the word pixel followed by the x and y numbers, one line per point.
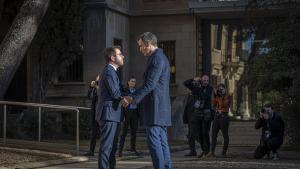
pixel 238 157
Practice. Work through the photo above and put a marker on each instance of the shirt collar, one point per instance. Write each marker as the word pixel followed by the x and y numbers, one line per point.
pixel 113 67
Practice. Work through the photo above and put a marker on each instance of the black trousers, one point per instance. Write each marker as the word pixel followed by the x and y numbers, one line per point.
pixel 131 120
pixel 94 135
pixel 191 140
pixel 200 128
pixel 221 122
pixel 266 146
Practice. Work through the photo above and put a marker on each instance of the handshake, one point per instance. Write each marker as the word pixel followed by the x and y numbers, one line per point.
pixel 126 100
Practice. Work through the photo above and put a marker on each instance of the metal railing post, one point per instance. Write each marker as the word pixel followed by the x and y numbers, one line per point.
pixel 77 132
pixel 4 125
pixel 40 106
pixel 40 122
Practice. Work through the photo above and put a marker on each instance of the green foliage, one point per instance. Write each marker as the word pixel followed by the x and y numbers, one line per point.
pixel 57 43
pixel 276 73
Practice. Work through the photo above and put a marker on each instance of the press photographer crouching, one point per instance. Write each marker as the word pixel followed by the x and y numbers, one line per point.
pixel 272 133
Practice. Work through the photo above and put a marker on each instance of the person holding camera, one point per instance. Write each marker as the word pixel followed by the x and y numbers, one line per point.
pixel 200 120
pixel 272 134
pixel 93 96
pixel 221 103
pixel 187 117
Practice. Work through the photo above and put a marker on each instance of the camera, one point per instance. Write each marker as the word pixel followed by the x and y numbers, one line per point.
pixel 197 83
pixel 220 92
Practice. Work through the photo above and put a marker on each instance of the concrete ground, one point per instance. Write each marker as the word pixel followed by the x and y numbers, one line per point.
pixel 238 157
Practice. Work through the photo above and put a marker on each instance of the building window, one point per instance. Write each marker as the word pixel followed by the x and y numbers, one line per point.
pixel 169 49
pixel 73 72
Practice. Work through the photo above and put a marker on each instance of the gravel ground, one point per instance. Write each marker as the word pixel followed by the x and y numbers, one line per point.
pixel 9 157
pixel 228 165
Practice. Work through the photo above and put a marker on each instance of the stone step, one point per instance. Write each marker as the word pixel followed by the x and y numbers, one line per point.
pixel 240 133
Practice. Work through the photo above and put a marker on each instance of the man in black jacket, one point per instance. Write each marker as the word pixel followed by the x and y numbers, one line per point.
pixel 187 115
pixel 272 133
pixel 202 115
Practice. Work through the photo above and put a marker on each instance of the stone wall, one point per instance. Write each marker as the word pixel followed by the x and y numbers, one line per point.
pixel 180 28
pixel 117 27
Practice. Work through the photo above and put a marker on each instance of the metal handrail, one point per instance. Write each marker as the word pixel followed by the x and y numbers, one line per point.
pixel 40 106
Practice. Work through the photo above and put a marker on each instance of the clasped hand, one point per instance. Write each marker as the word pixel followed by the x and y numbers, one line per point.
pixel 126 100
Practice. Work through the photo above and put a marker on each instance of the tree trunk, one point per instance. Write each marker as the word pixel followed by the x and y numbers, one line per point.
pixel 18 39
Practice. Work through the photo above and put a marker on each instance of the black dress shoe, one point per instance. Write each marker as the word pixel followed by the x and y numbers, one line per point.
pixel 131 150
pixel 224 155
pixel 136 153
pixel 203 155
pixel 190 154
pixel 89 154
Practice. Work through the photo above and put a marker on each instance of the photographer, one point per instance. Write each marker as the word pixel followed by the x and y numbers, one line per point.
pixel 272 133
pixel 221 103
pixel 200 120
pixel 93 96
pixel 187 117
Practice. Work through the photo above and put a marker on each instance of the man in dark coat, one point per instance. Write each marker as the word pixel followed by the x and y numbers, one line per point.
pixel 202 115
pixel 156 100
pixel 187 115
pixel 272 134
pixel 108 110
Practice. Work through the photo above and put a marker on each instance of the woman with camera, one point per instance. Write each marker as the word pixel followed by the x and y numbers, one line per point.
pixel 221 103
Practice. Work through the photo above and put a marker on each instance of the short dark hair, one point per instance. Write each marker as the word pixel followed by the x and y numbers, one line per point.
pixel 268 104
pixel 110 51
pixel 148 38
pixel 222 85
pixel 131 77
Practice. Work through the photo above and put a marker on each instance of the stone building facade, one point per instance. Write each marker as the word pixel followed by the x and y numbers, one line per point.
pixel 199 37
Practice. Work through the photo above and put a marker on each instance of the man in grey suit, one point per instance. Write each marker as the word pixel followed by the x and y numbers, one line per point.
pixel 108 111
pixel 156 100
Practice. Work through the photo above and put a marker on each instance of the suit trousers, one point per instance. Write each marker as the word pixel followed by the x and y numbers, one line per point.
pixel 157 139
pixel 108 144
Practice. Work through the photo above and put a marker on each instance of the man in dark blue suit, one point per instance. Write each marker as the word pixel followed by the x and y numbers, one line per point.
pixel 108 111
pixel 156 100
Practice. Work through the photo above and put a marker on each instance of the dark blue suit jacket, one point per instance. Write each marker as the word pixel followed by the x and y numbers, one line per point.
pixel 109 96
pixel 155 91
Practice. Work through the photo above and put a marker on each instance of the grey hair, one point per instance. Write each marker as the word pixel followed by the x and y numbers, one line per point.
pixel 148 38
